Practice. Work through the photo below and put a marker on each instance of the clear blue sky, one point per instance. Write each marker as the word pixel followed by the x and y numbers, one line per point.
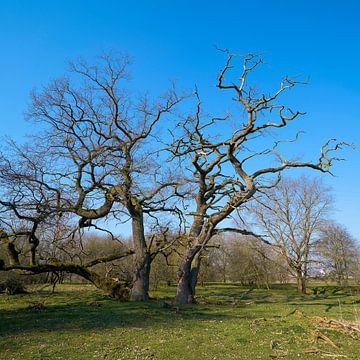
pixel 175 40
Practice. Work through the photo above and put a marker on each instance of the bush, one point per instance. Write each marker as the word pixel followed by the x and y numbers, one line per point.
pixel 12 285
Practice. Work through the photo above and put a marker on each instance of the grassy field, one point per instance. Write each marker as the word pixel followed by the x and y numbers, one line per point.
pixel 78 322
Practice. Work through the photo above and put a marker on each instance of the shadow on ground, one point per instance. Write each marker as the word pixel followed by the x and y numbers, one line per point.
pixel 99 313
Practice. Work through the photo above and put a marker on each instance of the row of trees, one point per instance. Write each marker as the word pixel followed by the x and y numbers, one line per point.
pixel 104 156
pixel 299 242
pixel 334 258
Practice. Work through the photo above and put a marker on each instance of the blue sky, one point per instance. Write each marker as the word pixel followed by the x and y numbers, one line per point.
pixel 175 40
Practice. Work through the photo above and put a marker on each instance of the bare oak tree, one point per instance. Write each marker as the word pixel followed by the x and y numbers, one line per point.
pixel 102 144
pixel 225 163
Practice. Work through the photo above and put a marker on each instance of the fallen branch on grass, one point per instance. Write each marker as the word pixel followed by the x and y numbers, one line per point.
pixel 343 325
pixel 323 352
pixel 319 335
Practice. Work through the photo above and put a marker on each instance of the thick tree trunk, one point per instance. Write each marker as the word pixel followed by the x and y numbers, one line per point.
pixel 13 254
pixel 33 247
pixel 184 292
pixel 142 260
pixel 188 271
pixel 194 274
pixel 140 286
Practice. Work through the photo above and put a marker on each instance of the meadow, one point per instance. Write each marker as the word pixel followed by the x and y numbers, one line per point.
pixel 229 322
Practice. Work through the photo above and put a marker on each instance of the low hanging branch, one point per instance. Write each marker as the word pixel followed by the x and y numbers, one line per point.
pixel 79 269
pixel 112 287
pixel 242 232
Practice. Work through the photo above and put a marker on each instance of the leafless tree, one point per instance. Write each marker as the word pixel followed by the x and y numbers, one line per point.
pixel 24 202
pixel 252 262
pixel 292 215
pixel 102 144
pixel 339 253
pixel 224 158
pixel 37 234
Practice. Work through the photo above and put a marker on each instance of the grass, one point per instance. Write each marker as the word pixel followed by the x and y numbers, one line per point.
pixel 78 322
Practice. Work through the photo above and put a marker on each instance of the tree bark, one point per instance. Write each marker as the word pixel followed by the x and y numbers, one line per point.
pixel 13 254
pixel 184 292
pixel 140 286
pixel 142 260
pixel 301 282
pixel 194 274
pixel 189 266
pixel 33 246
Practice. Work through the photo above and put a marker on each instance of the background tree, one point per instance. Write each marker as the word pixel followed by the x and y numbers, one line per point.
pixel 252 262
pixel 292 214
pixel 163 271
pixel 215 261
pixel 339 253
pixel 243 259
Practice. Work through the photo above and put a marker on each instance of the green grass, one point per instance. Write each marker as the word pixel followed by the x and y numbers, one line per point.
pixel 78 322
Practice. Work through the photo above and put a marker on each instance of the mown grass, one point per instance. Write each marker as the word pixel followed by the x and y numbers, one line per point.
pixel 78 322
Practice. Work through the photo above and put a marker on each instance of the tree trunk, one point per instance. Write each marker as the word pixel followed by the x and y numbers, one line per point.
pixel 141 279
pixel 194 273
pixel 301 282
pixel 183 288
pixel 184 292
pixel 33 247
pixel 13 254
pixel 142 260
pixel 189 269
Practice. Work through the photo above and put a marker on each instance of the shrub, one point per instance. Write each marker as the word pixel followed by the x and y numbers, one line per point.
pixel 12 285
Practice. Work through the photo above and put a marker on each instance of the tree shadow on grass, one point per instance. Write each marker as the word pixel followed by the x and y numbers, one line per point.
pixel 326 302
pixel 317 298
pixel 230 295
pixel 100 314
